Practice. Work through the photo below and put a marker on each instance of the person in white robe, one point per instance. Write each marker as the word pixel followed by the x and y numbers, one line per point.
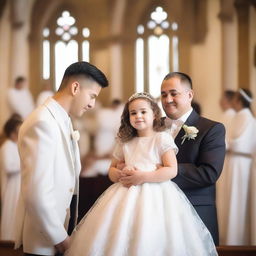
pixel 19 98
pixel 108 122
pixel 228 113
pixel 252 202
pixel 10 178
pixel 235 229
pixel 44 94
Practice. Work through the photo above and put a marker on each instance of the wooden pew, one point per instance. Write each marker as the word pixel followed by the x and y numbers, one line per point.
pixel 236 250
pixel 89 191
pixel 7 249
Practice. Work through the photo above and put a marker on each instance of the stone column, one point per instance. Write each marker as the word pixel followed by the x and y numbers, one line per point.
pixel 229 50
pixel 242 9
pixel 116 68
pixel 19 42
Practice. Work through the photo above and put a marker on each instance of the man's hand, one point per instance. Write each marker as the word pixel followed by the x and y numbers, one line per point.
pixel 63 246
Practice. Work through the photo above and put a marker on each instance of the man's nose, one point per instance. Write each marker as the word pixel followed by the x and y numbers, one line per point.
pixel 169 98
pixel 91 104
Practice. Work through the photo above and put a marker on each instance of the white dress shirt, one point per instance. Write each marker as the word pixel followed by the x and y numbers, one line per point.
pixel 175 125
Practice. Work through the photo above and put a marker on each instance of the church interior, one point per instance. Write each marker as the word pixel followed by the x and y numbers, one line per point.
pixel 135 43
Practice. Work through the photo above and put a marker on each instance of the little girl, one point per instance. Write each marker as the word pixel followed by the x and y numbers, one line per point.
pixel 153 217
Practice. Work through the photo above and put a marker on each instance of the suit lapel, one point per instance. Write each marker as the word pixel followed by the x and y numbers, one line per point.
pixel 50 105
pixel 192 119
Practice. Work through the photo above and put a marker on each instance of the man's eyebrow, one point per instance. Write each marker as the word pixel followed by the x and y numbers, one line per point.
pixel 172 90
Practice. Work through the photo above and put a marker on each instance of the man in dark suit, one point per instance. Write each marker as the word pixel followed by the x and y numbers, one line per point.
pixel 200 159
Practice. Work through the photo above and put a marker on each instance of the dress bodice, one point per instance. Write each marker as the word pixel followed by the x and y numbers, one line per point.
pixel 145 152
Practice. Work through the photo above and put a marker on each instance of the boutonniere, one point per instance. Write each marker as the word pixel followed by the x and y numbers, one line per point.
pixel 190 133
pixel 75 135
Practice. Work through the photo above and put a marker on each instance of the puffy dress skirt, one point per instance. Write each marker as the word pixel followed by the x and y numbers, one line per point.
pixel 152 219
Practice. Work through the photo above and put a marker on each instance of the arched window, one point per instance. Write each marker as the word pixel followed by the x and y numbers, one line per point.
pixel 156 51
pixel 68 45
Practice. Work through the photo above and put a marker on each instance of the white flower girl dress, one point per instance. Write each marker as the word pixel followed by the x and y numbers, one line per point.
pixel 152 219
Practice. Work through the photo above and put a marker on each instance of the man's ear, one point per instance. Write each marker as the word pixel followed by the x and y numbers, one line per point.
pixel 191 94
pixel 75 87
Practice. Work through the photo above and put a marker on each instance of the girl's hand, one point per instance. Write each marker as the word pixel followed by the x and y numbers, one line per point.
pixel 121 165
pixel 128 168
pixel 132 177
pixel 119 174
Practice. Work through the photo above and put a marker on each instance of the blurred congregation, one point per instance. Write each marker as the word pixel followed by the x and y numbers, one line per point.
pixel 136 43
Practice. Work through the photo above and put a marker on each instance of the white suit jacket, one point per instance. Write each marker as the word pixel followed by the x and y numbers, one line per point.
pixel 50 177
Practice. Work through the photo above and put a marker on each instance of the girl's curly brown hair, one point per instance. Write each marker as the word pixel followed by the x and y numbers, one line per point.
pixel 126 131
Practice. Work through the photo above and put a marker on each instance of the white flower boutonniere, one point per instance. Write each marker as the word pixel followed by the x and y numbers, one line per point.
pixel 190 133
pixel 75 135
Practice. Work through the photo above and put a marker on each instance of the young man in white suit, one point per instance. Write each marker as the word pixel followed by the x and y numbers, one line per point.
pixel 50 162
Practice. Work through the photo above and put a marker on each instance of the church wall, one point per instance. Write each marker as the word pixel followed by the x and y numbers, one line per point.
pixel 5 81
pixel 205 67
pixel 100 59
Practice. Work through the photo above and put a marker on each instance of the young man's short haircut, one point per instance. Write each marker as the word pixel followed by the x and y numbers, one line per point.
pixel 86 70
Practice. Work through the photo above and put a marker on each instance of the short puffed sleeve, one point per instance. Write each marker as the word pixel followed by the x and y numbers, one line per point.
pixel 118 150
pixel 166 142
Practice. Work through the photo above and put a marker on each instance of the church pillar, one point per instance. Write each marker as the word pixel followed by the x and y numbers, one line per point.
pixel 116 71
pixel 229 50
pixel 116 67
pixel 242 8
pixel 19 46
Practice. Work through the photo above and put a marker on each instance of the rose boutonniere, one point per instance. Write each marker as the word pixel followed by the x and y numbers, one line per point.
pixel 75 135
pixel 190 133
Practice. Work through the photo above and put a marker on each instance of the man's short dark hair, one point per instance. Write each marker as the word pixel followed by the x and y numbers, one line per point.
pixel 182 76
pixel 229 94
pixel 19 79
pixel 86 70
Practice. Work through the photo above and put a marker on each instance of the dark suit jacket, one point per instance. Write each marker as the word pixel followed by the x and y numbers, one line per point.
pixel 200 163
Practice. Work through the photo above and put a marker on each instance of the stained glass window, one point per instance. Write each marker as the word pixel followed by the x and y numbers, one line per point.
pixel 157 51
pixel 66 44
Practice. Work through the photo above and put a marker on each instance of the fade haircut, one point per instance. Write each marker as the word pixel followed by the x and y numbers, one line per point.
pixel 83 69
pixel 182 76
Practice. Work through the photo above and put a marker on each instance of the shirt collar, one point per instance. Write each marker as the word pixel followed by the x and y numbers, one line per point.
pixel 182 119
pixel 185 116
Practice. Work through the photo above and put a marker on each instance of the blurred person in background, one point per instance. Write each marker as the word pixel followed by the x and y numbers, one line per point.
pixel 10 176
pixel 20 99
